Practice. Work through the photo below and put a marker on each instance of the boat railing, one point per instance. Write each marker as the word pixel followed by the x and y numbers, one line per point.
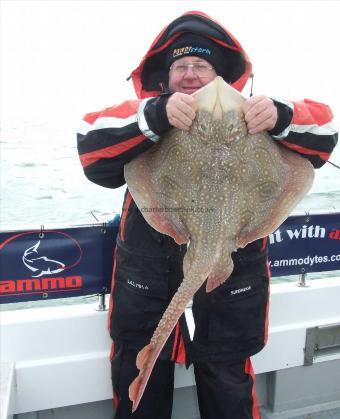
pixel 43 264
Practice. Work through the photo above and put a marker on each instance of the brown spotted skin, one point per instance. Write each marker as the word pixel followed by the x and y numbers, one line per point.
pixel 216 188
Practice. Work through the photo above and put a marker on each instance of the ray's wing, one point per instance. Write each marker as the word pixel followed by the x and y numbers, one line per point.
pixel 284 179
pixel 157 196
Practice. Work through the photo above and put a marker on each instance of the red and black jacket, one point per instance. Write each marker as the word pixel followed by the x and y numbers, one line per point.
pixel 110 138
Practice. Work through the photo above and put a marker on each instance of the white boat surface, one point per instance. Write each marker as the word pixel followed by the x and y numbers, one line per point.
pixel 55 360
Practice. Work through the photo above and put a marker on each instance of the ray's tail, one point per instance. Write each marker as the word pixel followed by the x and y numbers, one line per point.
pixel 148 355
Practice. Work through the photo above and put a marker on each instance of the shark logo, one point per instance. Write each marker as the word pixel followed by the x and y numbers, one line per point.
pixel 41 265
pixel 34 266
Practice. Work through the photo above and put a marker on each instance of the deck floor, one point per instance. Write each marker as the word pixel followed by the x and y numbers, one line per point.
pixel 328 414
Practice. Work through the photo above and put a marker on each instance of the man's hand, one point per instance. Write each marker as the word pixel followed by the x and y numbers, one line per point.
pixel 181 110
pixel 260 114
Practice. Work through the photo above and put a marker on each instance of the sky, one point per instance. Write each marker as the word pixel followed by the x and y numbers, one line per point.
pixel 62 59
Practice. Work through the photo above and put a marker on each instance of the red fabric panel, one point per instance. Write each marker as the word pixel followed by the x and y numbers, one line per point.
pixel 264 243
pixel 115 150
pixel 174 347
pixel 111 296
pixel 125 210
pixel 115 396
pixel 123 110
pixel 178 349
pixel 181 355
pixel 322 154
pixel 112 353
pixel 91 117
pixel 309 112
pixel 249 370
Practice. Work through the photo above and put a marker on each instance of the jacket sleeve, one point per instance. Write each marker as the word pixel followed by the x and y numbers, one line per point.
pixel 110 138
pixel 309 130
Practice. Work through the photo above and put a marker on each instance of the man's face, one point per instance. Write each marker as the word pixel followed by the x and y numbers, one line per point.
pixel 189 79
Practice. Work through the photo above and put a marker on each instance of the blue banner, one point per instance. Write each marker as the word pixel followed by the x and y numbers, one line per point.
pixel 78 261
pixel 303 244
pixel 56 263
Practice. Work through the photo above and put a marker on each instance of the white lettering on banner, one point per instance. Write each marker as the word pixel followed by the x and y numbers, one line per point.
pixel 302 233
pixel 307 261
pixel 275 237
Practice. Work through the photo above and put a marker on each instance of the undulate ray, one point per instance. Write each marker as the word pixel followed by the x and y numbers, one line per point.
pixel 216 188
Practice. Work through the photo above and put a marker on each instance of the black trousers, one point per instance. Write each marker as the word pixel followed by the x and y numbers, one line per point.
pixel 230 326
pixel 225 390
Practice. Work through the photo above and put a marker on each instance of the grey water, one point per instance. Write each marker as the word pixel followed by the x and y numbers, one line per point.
pixel 42 184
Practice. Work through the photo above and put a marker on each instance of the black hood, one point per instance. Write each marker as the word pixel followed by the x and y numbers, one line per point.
pixel 151 76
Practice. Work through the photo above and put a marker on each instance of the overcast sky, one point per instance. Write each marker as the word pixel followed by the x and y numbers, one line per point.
pixel 61 59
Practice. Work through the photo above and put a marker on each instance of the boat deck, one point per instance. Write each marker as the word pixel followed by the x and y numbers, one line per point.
pixel 55 370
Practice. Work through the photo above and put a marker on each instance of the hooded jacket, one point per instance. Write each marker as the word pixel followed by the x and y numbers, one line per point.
pixel 110 138
pixel 151 73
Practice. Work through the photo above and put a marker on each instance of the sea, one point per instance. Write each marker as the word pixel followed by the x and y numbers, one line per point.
pixel 43 184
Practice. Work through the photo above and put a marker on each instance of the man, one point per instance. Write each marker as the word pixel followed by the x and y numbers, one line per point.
pixel 229 327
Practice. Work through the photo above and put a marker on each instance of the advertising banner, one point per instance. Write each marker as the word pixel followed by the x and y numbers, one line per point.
pixel 56 263
pixel 70 262
pixel 303 244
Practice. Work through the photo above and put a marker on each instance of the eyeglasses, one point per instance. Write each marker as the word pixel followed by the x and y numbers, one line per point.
pixel 199 69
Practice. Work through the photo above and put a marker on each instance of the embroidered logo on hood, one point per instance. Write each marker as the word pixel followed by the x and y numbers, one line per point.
pixel 178 52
